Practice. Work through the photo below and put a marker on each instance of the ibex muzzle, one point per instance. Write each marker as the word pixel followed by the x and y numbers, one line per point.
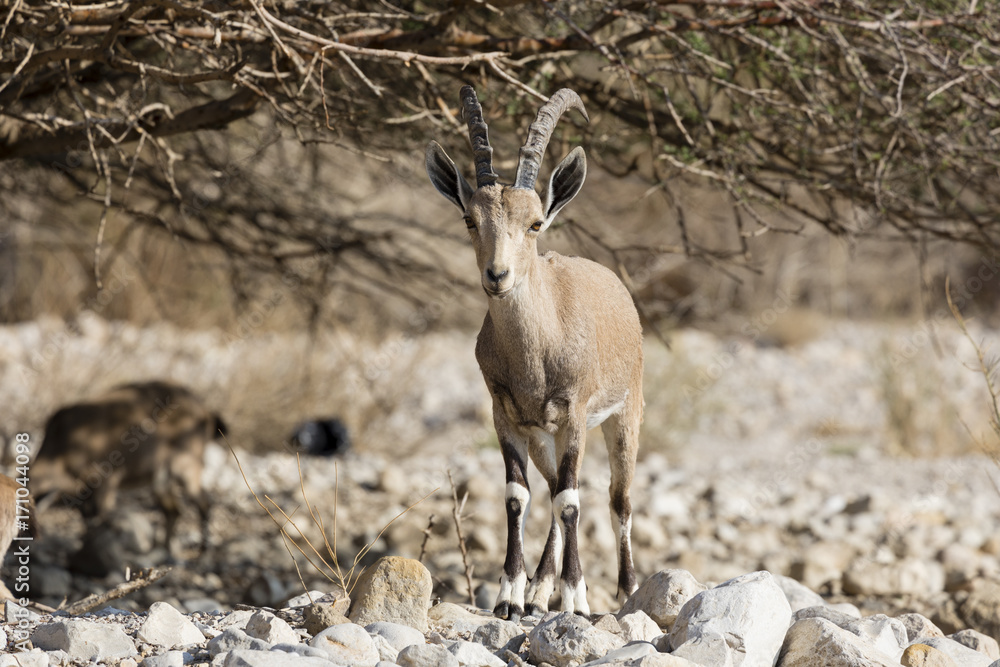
pixel 560 350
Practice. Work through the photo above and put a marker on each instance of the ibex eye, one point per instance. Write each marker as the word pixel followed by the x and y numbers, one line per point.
pixel 469 223
pixel 537 226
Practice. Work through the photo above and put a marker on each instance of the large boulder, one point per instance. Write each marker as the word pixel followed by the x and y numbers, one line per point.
pixel 167 627
pixel 817 641
pixel 662 596
pixel 750 614
pixel 394 589
pixel 569 638
pixel 84 640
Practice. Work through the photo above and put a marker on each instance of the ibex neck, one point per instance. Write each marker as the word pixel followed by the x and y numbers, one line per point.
pixel 529 316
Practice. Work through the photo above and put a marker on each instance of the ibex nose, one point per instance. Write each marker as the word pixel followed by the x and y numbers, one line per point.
pixel 496 277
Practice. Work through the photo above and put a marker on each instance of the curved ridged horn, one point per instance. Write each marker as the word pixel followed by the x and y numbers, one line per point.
pixel 481 148
pixel 530 157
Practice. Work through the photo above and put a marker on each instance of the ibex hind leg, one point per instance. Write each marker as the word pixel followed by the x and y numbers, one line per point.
pixel 621 433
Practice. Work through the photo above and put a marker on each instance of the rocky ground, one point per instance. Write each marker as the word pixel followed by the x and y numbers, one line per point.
pixel 839 462
pixel 671 621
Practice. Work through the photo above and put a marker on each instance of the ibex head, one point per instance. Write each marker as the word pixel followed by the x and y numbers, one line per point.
pixel 504 221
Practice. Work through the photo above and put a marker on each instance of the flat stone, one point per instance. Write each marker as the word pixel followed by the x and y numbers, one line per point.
pixel 233 638
pixel 470 654
pixel 455 619
pixel 818 641
pixel 269 628
pixel 962 655
pixel 977 641
pixel 393 589
pixel 498 635
pixel 749 612
pixel 662 595
pixel 624 655
pixel 167 659
pixel 569 638
pixel 242 657
pixel 386 651
pixel 398 635
pixel 84 640
pixel 168 627
pixel 347 644
pixel 339 600
pixel 33 658
pixel 426 655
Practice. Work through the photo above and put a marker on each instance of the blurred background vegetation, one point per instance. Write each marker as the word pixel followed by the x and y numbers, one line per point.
pixel 234 157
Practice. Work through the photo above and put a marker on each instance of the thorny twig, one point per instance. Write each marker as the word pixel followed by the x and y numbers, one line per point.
pixel 456 512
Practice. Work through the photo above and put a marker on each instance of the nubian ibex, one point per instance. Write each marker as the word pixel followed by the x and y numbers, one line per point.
pixel 560 350
pixel 148 435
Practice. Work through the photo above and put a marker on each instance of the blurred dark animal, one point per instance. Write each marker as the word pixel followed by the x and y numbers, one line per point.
pixel 146 435
pixel 322 437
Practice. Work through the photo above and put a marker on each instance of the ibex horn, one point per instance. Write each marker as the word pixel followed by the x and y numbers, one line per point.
pixel 481 148
pixel 530 157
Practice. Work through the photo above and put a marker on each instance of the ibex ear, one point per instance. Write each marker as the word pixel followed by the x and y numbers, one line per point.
pixel 565 182
pixel 445 177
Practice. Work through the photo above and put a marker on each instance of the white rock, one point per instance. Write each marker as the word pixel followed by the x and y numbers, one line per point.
pixel 305 599
pixel 269 628
pixel 662 596
pixel 978 642
pixel 386 651
pixel 84 640
pixel 300 649
pixel 799 597
pixel 817 641
pixel 962 655
pixel 347 644
pixel 398 635
pixel 426 655
pixel 638 626
pixel 242 657
pixel 750 612
pixel 886 634
pixel 454 619
pixel 568 638
pixel 708 648
pixel 918 625
pixel 235 619
pixel 470 654
pixel 498 634
pixel 625 654
pixel 167 627
pixel 32 658
pixel 167 659
pixel 233 638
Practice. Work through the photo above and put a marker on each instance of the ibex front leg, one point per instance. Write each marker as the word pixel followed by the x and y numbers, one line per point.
pixel 570 442
pixel 510 602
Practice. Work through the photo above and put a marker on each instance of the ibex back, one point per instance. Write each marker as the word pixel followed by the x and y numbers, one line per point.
pixel 150 435
pixel 560 350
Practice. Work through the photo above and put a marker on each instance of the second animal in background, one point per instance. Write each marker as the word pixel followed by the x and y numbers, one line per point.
pixel 149 435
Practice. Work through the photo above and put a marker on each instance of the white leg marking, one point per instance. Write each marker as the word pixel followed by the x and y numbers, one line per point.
pixel 512 590
pixel 515 490
pixel 564 499
pixel 575 598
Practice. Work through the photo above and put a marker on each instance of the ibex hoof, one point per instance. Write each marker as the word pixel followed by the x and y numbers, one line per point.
pixel 508 611
pixel 534 610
